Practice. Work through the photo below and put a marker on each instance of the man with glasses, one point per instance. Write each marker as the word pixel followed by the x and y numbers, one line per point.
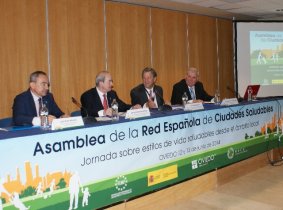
pixel 27 105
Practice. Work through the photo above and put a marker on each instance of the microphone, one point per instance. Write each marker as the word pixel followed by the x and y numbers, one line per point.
pixel 237 94
pixel 87 119
pixel 163 107
pixel 79 105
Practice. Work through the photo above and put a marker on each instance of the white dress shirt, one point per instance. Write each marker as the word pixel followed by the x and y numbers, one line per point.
pixel 153 94
pixel 101 96
pixel 36 120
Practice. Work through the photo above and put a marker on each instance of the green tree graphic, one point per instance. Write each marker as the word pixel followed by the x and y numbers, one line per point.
pixel 61 184
pixel 27 192
pixel 257 133
pixel 246 136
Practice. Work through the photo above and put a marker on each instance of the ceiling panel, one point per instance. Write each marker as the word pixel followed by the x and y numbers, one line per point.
pixel 229 9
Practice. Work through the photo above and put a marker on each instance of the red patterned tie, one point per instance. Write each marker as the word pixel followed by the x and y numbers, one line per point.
pixel 105 105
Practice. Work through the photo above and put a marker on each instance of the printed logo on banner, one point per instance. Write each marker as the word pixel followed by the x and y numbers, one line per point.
pixel 231 152
pixel 194 164
pixel 121 183
pixel 162 175
pixel 203 161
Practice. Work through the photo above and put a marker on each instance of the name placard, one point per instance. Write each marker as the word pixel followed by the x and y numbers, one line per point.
pixel 137 113
pixel 193 106
pixel 69 122
pixel 229 101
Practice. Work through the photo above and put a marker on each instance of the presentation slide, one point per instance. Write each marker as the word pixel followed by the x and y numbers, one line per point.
pixel 266 62
pixel 260 57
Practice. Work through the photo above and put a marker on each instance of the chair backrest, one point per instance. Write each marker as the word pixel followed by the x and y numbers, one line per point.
pixel 6 122
pixel 76 113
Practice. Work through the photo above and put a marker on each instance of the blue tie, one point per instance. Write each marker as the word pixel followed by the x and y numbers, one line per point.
pixel 192 93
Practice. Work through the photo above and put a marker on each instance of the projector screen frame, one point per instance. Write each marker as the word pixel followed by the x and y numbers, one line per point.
pixel 240 85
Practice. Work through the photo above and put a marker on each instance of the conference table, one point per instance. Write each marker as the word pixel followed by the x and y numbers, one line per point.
pixel 107 162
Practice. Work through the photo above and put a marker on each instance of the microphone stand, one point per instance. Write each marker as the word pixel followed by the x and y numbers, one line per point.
pixel 88 119
pixel 163 107
pixel 237 94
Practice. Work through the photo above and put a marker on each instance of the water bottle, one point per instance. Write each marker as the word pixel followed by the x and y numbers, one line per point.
pixel 185 99
pixel 115 112
pixel 44 117
pixel 217 97
pixel 250 93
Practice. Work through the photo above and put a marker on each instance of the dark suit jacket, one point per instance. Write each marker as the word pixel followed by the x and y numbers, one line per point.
pixel 91 103
pixel 139 95
pixel 181 87
pixel 24 108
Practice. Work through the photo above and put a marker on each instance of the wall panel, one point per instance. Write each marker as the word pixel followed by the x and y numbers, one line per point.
pixel 128 45
pixel 23 47
pixel 203 49
pixel 169 48
pixel 77 49
pixel 226 70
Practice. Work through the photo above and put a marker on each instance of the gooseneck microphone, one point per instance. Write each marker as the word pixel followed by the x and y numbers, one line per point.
pixel 88 119
pixel 163 107
pixel 79 105
pixel 237 94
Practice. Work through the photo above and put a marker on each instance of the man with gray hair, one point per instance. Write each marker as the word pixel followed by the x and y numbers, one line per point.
pixel 192 87
pixel 96 102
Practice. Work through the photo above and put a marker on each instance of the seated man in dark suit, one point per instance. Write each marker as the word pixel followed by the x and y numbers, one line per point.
pixel 148 94
pixel 192 87
pixel 97 101
pixel 27 104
